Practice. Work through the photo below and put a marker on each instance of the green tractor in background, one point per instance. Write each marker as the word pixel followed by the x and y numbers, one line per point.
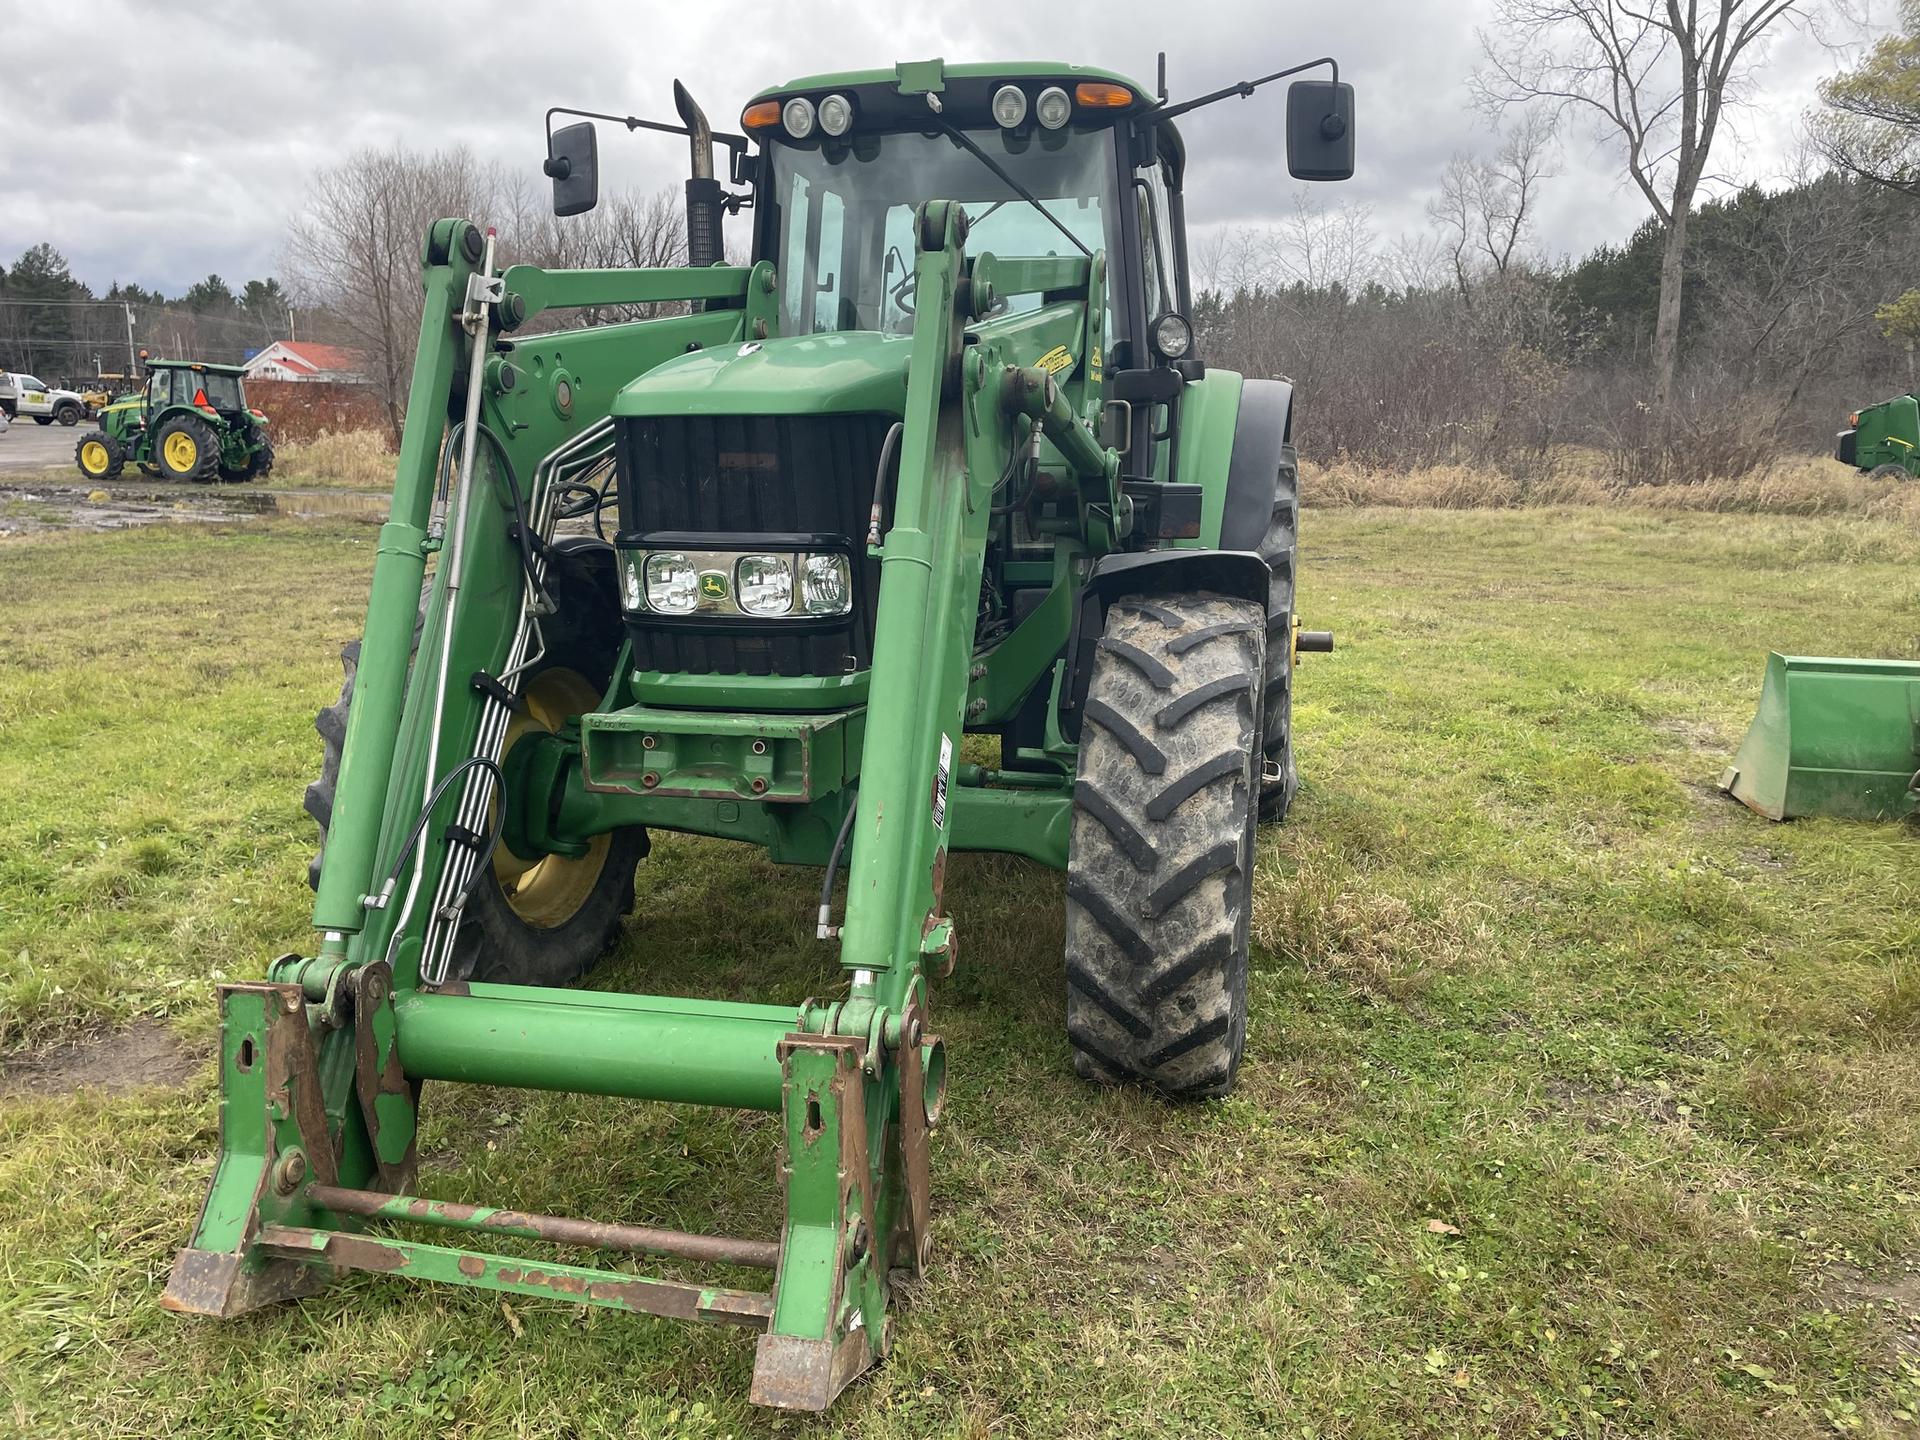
pixel 1883 440
pixel 189 421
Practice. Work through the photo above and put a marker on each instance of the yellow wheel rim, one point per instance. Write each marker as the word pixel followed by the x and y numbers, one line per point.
pixel 548 892
pixel 179 451
pixel 93 458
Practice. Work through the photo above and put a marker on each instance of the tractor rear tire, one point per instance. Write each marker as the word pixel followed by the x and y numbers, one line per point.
pixel 1160 869
pixel 498 943
pixel 100 456
pixel 1889 472
pixel 1279 549
pixel 185 448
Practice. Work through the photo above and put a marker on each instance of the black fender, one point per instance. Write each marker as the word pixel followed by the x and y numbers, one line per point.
pixel 1262 443
pixel 1239 573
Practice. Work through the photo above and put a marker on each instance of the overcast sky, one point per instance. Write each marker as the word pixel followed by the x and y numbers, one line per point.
pixel 188 152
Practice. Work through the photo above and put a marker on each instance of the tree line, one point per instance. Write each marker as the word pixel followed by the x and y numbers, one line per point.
pixel 1722 332
pixel 54 325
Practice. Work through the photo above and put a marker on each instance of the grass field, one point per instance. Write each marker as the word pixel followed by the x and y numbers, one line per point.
pixel 1578 1100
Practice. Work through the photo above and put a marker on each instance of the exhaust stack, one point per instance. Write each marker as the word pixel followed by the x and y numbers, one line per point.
pixel 703 191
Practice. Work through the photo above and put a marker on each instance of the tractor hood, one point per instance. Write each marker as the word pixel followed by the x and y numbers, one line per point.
pixel 858 371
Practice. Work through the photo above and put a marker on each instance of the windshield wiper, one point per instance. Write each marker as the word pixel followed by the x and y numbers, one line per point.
pixel 965 142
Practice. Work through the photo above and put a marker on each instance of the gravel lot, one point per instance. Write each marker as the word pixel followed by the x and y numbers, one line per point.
pixel 27 446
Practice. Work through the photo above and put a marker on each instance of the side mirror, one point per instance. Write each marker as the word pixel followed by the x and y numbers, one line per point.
pixel 1320 130
pixel 573 164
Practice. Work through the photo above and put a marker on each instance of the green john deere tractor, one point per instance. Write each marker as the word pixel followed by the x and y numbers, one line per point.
pixel 941 468
pixel 188 421
pixel 1883 441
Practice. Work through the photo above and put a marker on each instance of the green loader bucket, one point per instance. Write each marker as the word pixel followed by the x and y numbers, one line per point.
pixel 1833 737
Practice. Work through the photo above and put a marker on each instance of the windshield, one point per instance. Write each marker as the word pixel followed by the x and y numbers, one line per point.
pixel 222 391
pixel 846 215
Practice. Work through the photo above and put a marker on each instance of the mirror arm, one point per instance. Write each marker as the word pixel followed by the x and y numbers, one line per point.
pixel 1244 88
pixel 737 143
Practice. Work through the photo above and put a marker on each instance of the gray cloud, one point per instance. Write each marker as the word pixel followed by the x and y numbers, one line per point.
pixel 195 162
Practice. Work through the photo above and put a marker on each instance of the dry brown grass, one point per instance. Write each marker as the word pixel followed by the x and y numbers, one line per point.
pixel 349 459
pixel 1805 485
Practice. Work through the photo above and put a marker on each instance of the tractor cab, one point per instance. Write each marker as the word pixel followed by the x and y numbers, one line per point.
pixel 1046 160
pixel 216 388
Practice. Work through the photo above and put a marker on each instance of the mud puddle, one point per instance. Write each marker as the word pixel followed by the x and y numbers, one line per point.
pixel 30 508
pixel 144 1053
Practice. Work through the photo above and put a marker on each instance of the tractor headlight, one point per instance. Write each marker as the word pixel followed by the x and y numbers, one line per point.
pixel 764 584
pixel 1053 109
pixel 1009 106
pixel 797 116
pixel 826 585
pixel 673 587
pixel 836 115
pixel 704 578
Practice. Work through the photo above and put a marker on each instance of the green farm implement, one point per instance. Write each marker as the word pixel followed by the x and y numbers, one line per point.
pixel 1883 441
pixel 942 466
pixel 1841 737
pixel 187 421
pixel 1836 737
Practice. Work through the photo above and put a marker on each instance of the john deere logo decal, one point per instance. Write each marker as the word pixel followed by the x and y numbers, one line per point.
pixel 713 584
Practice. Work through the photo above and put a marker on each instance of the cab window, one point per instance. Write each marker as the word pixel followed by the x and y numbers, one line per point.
pixel 1155 198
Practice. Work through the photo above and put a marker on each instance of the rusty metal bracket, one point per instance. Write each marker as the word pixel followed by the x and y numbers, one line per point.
pixel 829 1320
pixel 273 1139
pixel 388 1099
pixel 916 1121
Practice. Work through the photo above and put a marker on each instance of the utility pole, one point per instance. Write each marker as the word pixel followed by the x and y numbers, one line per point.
pixel 133 364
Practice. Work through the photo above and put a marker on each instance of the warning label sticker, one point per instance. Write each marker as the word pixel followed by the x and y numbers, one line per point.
pixel 940 784
pixel 1055 360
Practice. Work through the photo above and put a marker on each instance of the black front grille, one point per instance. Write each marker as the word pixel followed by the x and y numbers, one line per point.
pixel 748 475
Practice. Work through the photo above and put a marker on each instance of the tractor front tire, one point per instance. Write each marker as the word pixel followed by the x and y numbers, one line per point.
pixel 185 448
pixel 545 923
pixel 1889 472
pixel 1279 549
pixel 100 456
pixel 1160 870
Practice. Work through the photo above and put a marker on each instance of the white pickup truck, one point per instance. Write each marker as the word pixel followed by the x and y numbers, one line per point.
pixel 24 395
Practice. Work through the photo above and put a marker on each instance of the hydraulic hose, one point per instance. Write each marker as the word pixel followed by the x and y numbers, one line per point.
pixel 888 447
pixel 825 929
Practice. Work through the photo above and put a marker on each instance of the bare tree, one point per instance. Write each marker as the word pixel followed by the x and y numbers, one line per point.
pixel 1484 210
pixel 355 247
pixel 1655 77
